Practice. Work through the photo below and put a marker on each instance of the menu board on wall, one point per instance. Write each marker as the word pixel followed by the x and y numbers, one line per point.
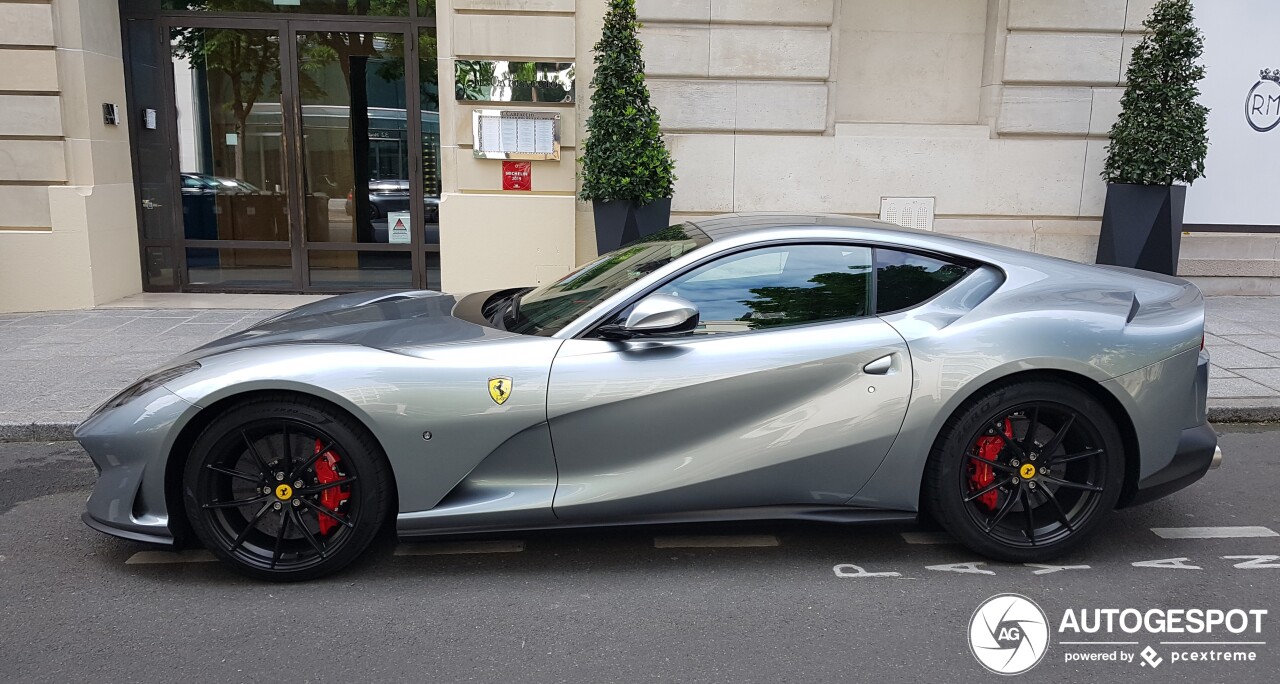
pixel 516 134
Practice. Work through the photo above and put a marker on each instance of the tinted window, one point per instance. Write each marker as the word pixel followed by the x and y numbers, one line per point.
pixel 904 280
pixel 778 286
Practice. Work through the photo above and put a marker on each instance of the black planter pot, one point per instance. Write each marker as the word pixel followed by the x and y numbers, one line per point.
pixel 612 219
pixel 619 222
pixel 1142 227
pixel 653 217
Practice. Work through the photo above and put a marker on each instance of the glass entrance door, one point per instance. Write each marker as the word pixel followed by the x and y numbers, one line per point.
pixel 287 149
pixel 232 157
pixel 355 171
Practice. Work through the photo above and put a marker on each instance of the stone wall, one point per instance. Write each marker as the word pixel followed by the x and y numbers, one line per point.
pixel 68 231
pixel 491 238
pixel 998 108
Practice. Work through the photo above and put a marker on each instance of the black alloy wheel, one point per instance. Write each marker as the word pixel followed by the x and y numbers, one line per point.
pixel 286 490
pixel 1025 472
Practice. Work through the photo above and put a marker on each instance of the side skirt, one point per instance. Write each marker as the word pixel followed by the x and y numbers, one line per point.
pixel 408 527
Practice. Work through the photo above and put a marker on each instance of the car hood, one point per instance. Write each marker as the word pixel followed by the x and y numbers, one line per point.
pixel 388 320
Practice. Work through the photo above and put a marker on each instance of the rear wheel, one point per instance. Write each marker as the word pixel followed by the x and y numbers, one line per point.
pixel 286 490
pixel 1025 471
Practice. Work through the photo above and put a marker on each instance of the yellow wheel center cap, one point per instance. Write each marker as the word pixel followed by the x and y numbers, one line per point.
pixel 1027 471
pixel 284 492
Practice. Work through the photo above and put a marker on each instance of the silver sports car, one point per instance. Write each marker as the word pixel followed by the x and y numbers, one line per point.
pixel 743 367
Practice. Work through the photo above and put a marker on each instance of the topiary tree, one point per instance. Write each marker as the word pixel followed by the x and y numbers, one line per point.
pixel 1161 137
pixel 624 157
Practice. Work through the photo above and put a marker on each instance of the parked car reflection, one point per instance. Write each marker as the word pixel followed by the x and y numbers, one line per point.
pixel 390 195
pixel 223 208
pixel 203 183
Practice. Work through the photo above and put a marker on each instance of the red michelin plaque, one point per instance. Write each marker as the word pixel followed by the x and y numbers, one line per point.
pixel 517 175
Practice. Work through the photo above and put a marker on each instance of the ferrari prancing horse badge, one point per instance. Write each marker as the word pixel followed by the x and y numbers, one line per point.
pixel 500 389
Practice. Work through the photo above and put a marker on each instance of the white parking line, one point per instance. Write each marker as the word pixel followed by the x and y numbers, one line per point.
pixel 715 542
pixel 459 548
pixel 169 557
pixel 927 538
pixel 1214 532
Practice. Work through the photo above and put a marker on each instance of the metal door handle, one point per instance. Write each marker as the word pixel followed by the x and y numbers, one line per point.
pixel 149 204
pixel 880 366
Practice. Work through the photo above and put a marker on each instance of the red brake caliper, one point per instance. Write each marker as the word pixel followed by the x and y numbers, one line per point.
pixel 333 497
pixel 981 475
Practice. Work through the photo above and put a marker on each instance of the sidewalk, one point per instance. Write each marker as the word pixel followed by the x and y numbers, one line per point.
pixel 1243 339
pixel 56 367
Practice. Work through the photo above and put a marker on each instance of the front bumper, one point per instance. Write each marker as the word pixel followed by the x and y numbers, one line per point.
pixel 163 539
pixel 129 446
pixel 1196 454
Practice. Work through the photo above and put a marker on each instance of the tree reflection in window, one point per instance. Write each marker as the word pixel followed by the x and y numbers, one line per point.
pixel 379 8
pixel 905 280
pixel 833 296
pixel 772 287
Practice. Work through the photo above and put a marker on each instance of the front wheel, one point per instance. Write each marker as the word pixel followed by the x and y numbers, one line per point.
pixel 286 490
pixel 1026 471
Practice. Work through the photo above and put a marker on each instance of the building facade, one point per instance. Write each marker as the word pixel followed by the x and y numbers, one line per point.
pixel 274 145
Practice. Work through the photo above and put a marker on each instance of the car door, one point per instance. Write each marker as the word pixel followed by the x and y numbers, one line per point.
pixel 788 392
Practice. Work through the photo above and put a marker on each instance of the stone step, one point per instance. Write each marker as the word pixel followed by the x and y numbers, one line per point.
pixel 1251 286
pixel 1231 263
pixel 1230 246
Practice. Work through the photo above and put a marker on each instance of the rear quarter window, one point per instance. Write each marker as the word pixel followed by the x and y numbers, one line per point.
pixel 905 280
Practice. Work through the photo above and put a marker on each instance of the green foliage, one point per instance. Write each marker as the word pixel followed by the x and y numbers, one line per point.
pixel 624 156
pixel 1161 137
pixel 473 79
pixel 831 298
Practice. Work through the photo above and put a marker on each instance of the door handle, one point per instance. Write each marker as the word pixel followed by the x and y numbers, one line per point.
pixel 150 204
pixel 880 366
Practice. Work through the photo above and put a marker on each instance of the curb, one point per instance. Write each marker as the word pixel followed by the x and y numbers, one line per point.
pixel 1253 410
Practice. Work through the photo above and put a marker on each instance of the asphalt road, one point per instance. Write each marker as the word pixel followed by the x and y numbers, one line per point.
pixel 608 606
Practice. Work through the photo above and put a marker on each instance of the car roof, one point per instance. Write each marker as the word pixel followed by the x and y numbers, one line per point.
pixel 726 225
pixel 747 227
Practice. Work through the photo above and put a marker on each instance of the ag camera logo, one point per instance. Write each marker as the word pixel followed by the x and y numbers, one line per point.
pixel 1008 634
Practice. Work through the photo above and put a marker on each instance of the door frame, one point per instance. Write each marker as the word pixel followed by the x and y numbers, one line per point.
pixel 287 27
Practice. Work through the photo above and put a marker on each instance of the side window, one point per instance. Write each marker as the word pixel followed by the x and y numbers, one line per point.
pixel 778 286
pixel 904 280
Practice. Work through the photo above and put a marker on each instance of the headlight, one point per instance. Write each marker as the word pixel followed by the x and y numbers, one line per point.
pixel 147 384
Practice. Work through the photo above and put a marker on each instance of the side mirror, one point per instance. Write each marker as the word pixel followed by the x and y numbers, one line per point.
pixel 657 314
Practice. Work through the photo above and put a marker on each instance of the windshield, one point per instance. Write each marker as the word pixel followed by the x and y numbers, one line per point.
pixel 547 309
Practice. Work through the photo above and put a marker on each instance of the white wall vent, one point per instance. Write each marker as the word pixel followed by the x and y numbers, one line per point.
pixel 909 212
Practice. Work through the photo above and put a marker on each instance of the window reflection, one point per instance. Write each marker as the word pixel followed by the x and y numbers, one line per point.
pixel 778 286
pixel 382 8
pixel 246 268
pixel 230 158
pixel 503 81
pixel 905 280
pixel 429 85
pixel 355 138
pixel 345 269
pixel 360 180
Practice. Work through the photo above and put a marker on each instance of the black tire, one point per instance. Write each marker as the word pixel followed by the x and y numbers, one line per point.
pixel 231 488
pixel 1069 490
